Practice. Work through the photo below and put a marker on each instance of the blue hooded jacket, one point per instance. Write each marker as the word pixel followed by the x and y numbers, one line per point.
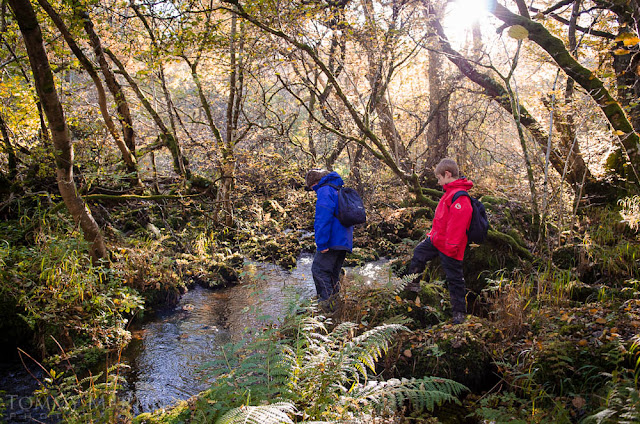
pixel 329 233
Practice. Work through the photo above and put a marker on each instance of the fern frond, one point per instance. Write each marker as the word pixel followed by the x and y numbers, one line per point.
pixel 343 331
pixel 313 324
pixel 399 284
pixel 373 343
pixel 275 413
pixel 422 394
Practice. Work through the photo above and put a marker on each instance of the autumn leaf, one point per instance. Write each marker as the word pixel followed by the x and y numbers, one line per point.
pixel 618 132
pixel 578 402
pixel 518 32
pixel 601 321
pixel 628 39
pixel 620 52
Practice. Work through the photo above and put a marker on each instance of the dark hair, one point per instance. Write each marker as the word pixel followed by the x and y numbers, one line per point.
pixel 313 177
pixel 447 164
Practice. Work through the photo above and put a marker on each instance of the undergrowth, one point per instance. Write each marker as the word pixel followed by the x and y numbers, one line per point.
pixel 308 370
pixel 61 293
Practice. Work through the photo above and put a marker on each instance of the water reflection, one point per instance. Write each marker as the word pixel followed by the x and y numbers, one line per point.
pixel 165 354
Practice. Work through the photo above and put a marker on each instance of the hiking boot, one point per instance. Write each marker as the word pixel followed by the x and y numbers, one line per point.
pixel 458 318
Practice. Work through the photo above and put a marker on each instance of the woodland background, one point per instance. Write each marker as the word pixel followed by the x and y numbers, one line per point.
pixel 151 145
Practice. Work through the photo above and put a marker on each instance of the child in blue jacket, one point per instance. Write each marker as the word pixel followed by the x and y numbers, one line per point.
pixel 333 240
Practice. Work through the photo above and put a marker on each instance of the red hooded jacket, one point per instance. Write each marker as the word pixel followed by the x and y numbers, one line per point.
pixel 451 221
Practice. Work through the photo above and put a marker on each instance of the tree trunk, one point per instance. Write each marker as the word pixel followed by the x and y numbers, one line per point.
pixel 46 89
pixel 180 163
pixel 168 138
pixel 122 106
pixel 379 99
pixel 494 90
pixel 438 129
pixel 234 103
pixel 127 155
pixel 627 69
pixel 12 163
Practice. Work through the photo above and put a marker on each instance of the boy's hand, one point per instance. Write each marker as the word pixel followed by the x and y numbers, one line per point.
pixel 324 251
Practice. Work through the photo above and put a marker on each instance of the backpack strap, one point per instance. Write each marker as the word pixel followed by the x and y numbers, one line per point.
pixel 331 185
pixel 459 194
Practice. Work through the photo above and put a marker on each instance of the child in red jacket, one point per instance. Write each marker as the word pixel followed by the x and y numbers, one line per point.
pixel 448 236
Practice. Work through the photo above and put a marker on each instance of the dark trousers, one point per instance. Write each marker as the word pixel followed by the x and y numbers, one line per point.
pixel 424 252
pixel 326 272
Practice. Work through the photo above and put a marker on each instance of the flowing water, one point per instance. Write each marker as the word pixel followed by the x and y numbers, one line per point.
pixel 165 354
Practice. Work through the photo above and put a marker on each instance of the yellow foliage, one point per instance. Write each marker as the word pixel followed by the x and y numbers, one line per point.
pixel 620 52
pixel 628 39
pixel 518 32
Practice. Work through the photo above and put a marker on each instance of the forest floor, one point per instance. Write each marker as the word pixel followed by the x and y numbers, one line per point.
pixel 552 339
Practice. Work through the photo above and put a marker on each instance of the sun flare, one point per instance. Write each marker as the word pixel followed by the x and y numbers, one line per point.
pixel 461 15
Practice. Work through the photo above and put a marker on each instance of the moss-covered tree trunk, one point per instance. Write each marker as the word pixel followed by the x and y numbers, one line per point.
pixel 122 106
pixel 379 52
pixel 576 170
pixel 169 135
pixel 611 108
pixel 46 89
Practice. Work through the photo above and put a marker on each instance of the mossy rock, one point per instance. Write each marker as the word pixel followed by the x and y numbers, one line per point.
pixel 509 217
pixel 488 200
pixel 198 183
pixel 223 271
pixel 581 292
pixel 178 414
pixel 360 256
pixel 564 367
pixel 282 249
pixel 432 294
pixel 482 261
pixel 399 224
pixel 455 354
pixel 567 256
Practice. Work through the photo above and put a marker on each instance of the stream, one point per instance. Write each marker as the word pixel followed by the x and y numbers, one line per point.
pixel 166 352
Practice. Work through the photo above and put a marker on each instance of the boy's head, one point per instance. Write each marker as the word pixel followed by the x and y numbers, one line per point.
pixel 447 171
pixel 313 177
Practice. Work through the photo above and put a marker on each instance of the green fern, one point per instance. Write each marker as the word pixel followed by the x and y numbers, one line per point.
pixel 315 374
pixel 623 404
pixel 275 413
pixel 397 285
pixel 422 394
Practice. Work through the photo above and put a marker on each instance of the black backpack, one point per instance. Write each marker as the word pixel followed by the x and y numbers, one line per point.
pixel 350 206
pixel 479 226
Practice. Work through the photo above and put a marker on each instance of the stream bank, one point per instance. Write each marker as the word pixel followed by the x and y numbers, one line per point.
pixel 167 351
